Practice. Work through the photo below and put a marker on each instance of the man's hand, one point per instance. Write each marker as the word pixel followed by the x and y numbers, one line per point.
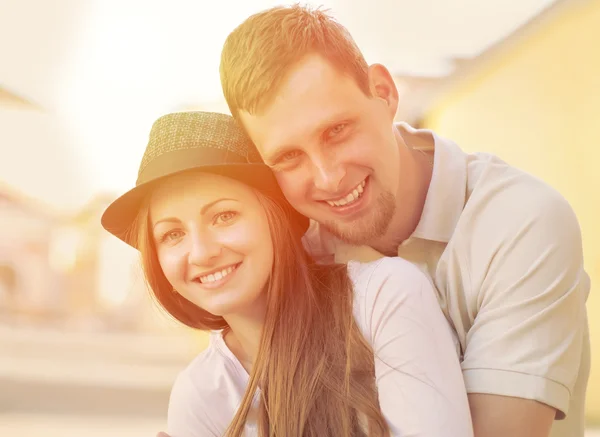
pixel 501 416
pixel 162 434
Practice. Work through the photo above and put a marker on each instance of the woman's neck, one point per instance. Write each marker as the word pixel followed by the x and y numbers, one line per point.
pixel 243 339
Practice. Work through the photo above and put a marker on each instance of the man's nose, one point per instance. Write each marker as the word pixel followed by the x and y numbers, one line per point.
pixel 327 174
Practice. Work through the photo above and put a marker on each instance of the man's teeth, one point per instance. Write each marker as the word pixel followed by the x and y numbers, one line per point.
pixel 217 276
pixel 351 197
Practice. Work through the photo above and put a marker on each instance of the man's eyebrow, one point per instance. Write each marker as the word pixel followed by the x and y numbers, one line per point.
pixel 278 153
pixel 331 121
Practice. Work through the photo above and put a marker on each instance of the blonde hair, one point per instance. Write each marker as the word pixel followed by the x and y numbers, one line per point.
pixel 259 53
pixel 316 382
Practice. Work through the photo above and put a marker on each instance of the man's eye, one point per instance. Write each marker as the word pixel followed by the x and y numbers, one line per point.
pixel 336 130
pixel 289 155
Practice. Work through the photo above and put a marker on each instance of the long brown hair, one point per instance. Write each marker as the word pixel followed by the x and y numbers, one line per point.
pixel 314 368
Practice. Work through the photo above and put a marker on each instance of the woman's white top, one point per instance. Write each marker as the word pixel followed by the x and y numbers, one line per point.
pixel 419 379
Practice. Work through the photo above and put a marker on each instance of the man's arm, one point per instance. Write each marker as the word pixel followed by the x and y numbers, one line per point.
pixel 502 416
pixel 523 351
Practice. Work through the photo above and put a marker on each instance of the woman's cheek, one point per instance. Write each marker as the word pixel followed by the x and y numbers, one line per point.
pixel 173 263
pixel 239 236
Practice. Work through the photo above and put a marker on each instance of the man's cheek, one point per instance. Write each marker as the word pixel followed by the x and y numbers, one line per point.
pixel 292 188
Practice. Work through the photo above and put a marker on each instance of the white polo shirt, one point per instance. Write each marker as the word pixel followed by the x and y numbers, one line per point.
pixel 505 254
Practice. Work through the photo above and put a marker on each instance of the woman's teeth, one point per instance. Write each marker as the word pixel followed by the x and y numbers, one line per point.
pixel 352 197
pixel 217 276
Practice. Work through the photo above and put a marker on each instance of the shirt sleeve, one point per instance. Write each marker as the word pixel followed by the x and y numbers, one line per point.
pixel 186 416
pixel 530 320
pixel 420 384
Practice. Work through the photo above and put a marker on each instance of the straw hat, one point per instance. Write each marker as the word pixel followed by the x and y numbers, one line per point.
pixel 195 141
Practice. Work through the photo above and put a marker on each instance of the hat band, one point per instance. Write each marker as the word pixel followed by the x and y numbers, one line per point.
pixel 187 159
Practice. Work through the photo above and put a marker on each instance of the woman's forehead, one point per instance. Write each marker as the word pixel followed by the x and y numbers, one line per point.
pixel 196 188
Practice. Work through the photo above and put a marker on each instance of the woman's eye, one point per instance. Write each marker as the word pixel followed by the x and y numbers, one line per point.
pixel 171 236
pixel 224 217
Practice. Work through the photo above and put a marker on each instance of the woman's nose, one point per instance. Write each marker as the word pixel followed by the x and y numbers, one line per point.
pixel 204 248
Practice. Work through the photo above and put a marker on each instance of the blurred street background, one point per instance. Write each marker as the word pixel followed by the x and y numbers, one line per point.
pixel 84 352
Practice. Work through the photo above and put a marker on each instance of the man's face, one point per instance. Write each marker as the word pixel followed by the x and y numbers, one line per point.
pixel 333 148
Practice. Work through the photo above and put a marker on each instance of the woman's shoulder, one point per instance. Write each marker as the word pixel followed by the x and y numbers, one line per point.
pixel 204 392
pixel 206 372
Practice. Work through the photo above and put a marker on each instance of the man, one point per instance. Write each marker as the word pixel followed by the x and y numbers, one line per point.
pixel 503 249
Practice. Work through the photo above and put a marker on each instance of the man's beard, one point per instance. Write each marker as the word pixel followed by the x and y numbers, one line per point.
pixel 369 227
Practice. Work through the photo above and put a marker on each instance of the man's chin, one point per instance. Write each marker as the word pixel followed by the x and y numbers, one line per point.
pixel 368 228
pixel 356 234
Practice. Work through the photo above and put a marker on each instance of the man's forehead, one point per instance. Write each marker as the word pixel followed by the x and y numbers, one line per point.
pixel 312 94
pixel 264 133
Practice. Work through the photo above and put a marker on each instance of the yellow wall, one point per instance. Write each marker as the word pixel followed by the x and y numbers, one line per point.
pixel 537 105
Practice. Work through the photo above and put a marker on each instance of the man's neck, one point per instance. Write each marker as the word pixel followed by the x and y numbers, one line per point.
pixel 417 170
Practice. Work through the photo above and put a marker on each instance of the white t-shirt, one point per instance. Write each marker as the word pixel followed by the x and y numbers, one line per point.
pixel 421 389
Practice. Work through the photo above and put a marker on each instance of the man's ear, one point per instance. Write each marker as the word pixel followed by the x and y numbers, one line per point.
pixel 382 86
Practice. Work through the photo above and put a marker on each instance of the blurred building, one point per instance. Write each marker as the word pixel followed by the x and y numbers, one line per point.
pixel 29 287
pixel 66 271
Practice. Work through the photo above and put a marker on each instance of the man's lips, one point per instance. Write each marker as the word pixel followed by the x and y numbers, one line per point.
pixel 349 198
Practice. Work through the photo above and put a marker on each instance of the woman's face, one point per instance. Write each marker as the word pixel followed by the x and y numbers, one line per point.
pixel 213 242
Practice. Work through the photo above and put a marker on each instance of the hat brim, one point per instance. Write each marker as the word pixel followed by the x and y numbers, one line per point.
pixel 121 214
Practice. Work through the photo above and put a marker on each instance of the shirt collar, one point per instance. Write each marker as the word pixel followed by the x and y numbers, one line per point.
pixel 447 193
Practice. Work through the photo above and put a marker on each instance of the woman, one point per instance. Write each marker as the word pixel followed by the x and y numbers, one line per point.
pixel 296 348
